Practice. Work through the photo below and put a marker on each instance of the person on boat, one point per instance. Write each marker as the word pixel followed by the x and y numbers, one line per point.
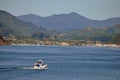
pixel 38 63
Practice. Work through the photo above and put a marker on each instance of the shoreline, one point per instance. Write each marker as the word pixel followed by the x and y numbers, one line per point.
pixel 88 45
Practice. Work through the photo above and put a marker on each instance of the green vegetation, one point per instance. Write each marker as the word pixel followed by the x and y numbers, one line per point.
pixel 40 35
pixel 110 34
pixel 5 30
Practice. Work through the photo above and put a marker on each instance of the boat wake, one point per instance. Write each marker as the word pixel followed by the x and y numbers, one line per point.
pixel 24 68
pixel 38 66
pixel 9 68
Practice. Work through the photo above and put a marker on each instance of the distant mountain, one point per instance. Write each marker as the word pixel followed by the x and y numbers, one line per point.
pixel 10 25
pixel 31 18
pixel 62 22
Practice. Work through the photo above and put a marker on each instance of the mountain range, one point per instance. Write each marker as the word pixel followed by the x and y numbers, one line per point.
pixel 11 25
pixel 71 21
pixel 61 26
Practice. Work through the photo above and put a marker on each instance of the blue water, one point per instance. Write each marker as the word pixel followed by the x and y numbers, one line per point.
pixel 65 63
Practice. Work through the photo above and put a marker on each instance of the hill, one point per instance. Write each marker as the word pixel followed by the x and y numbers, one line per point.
pixel 63 22
pixel 101 34
pixel 10 25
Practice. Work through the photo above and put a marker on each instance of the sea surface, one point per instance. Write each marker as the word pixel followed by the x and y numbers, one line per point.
pixel 64 63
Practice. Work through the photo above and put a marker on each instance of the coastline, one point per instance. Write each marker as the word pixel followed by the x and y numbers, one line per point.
pixel 88 45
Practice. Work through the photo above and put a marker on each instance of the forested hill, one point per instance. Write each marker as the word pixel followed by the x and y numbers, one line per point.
pixel 10 25
pixel 94 34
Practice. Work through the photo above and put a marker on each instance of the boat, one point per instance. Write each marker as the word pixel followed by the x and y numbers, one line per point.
pixel 38 65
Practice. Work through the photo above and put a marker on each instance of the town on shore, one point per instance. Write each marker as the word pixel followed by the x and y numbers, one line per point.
pixel 53 42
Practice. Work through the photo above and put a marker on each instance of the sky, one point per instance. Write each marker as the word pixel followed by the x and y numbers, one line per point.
pixel 92 9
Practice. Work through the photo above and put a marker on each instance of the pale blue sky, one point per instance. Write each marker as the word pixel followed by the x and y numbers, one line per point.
pixel 93 9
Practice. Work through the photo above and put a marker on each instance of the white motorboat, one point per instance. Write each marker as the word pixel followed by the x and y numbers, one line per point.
pixel 38 65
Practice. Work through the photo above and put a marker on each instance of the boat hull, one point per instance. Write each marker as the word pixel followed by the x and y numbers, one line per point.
pixel 32 68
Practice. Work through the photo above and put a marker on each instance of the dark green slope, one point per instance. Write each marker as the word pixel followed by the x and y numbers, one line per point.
pixel 11 25
pixel 102 34
pixel 5 30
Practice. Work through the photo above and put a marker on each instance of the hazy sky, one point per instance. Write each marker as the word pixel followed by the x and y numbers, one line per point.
pixel 93 9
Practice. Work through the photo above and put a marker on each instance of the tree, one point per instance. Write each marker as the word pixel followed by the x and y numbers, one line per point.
pixel 40 35
pixel 116 39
